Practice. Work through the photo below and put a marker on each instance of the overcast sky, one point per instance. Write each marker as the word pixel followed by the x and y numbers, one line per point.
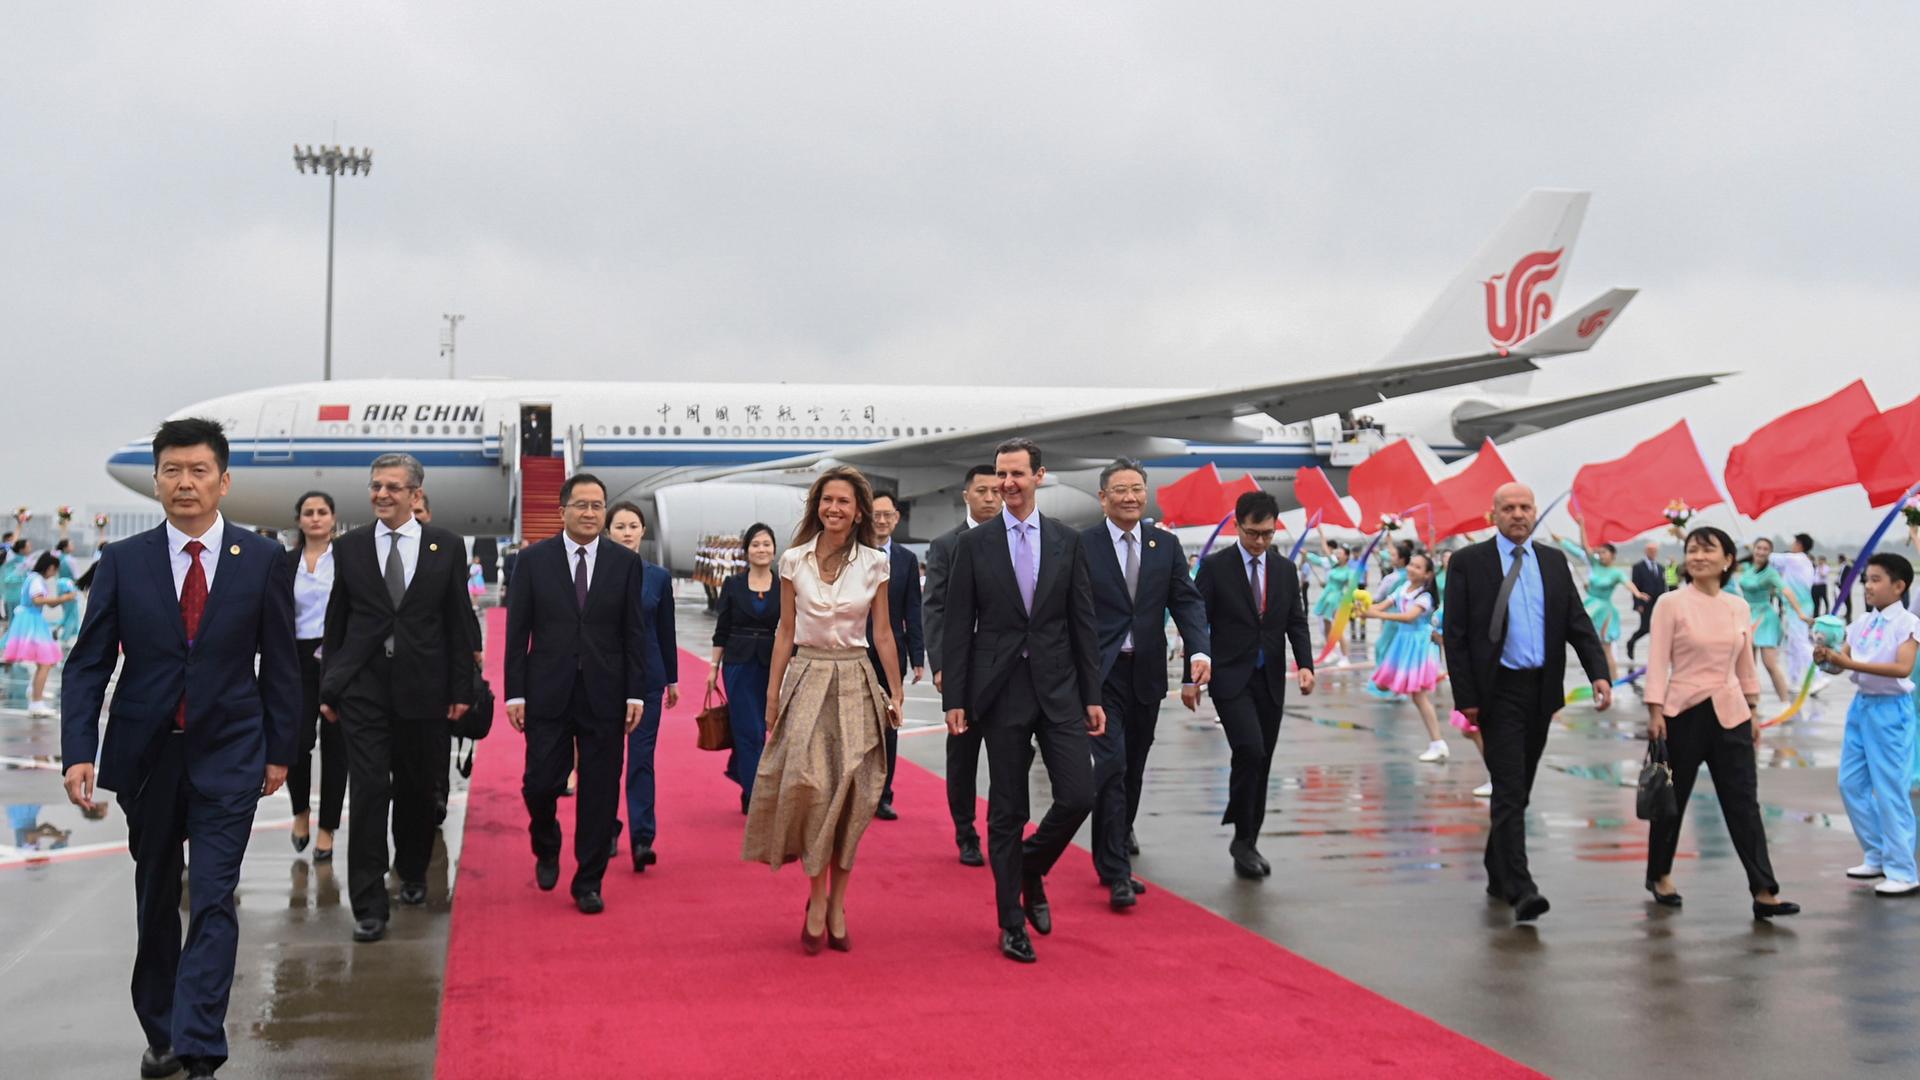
pixel 1170 194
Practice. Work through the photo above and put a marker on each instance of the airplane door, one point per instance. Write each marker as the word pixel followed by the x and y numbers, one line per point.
pixel 275 435
pixel 536 431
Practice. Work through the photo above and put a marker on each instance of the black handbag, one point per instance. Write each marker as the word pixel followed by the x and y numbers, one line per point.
pixel 479 716
pixel 1656 800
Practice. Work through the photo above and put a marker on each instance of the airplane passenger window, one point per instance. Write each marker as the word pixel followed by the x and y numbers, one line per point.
pixel 648 430
pixel 781 430
pixel 631 430
pixel 415 430
pixel 601 430
pixel 706 430
pixel 736 429
pixel 676 429
pixel 366 429
pixel 809 429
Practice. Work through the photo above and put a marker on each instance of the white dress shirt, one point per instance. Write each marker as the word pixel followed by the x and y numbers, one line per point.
pixel 592 548
pixel 409 534
pixel 209 555
pixel 311 591
pixel 1120 557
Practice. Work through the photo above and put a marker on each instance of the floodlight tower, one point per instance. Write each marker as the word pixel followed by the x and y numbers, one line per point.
pixel 333 161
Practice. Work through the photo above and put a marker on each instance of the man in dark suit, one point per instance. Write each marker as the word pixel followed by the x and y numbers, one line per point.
pixel 1512 610
pixel 903 607
pixel 396 669
pixel 1023 662
pixel 196 736
pixel 1139 577
pixel 981 494
pixel 576 681
pixel 1651 579
pixel 1255 613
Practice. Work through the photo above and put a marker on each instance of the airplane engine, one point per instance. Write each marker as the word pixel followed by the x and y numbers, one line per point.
pixel 683 513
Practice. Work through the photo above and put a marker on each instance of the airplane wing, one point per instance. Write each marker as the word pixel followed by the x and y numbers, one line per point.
pixel 1161 427
pixel 1505 424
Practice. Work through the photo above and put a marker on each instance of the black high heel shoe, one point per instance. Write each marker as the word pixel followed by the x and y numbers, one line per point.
pixel 1768 911
pixel 1671 899
pixel 300 842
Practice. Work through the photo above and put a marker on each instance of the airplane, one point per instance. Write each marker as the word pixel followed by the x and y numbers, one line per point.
pixel 708 458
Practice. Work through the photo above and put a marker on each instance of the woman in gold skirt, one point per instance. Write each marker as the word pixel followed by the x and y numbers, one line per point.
pixel 825 765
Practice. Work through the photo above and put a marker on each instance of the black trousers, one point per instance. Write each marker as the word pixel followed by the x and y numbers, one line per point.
pixel 390 763
pixel 963 767
pixel 551 742
pixel 1695 738
pixel 1514 731
pixel 1646 626
pixel 332 744
pixel 180 991
pixel 1119 764
pixel 1819 593
pixel 1251 722
pixel 1012 726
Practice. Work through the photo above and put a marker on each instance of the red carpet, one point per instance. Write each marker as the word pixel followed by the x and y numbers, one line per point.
pixel 695 969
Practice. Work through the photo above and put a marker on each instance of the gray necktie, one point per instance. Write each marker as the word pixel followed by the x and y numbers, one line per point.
pixel 396 580
pixel 1497 626
pixel 1132 570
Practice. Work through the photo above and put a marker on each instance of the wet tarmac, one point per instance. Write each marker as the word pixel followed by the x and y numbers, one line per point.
pixel 1377 876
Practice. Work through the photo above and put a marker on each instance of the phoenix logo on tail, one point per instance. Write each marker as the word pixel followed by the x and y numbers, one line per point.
pixel 1522 308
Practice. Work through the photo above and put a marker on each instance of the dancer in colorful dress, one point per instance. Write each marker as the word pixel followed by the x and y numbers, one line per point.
pixel 1603 579
pixel 1797 574
pixel 29 637
pixel 1411 664
pixel 13 578
pixel 1760 583
pixel 1395 576
pixel 1341 581
pixel 476 581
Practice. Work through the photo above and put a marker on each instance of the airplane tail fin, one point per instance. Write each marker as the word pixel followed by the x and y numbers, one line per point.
pixel 1508 290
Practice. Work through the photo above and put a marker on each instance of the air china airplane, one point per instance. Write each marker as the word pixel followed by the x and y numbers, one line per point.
pixel 711 457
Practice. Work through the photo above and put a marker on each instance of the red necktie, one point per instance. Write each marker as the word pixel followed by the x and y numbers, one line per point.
pixel 193 601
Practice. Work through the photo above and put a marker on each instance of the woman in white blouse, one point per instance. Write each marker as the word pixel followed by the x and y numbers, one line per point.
pixel 825 765
pixel 312 587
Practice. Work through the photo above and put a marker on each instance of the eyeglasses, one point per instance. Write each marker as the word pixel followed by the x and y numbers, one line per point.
pixel 379 488
pixel 885 515
pixel 1257 534
pixel 586 507
pixel 1131 489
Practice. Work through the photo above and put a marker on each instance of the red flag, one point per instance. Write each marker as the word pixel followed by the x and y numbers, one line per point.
pixel 1798 454
pixel 1886 452
pixel 1316 494
pixel 1622 498
pixel 1392 481
pixel 1190 499
pixel 1462 501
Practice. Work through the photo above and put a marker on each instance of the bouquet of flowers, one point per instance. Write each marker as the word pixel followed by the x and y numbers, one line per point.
pixel 65 514
pixel 99 521
pixel 1678 514
pixel 1911 511
pixel 1390 522
pixel 22 515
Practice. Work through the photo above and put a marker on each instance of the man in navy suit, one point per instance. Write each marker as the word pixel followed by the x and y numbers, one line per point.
pixel 663 670
pixel 1139 577
pixel 1023 662
pixel 576 682
pixel 195 737
pixel 903 607
pixel 1651 579
pixel 981 494
pixel 1255 614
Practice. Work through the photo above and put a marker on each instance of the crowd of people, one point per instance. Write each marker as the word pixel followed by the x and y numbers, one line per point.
pixel 1039 638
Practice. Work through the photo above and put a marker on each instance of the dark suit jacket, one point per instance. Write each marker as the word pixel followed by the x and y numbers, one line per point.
pixel 903 606
pixel 1473 657
pixel 933 601
pixel 987 627
pixel 1239 634
pixel 1163 589
pixel 1653 582
pixel 432 630
pixel 550 639
pixel 746 637
pixel 656 611
pixel 238 722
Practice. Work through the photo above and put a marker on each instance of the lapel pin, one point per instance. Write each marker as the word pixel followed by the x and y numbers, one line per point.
pixel 234 550
pixel 1153 543
pixel 433 547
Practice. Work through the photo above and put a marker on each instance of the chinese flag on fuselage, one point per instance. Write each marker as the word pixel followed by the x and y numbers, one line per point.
pixel 1392 481
pixel 1622 498
pixel 1886 452
pixel 1800 453
pixel 1316 495
pixel 1462 501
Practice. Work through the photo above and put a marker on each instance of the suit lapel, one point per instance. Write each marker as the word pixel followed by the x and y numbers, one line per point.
pixel 999 555
pixel 1102 558
pixel 230 556
pixel 161 575
pixel 1052 551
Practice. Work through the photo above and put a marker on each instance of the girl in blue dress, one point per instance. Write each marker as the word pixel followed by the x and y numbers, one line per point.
pixel 1760 582
pixel 1411 663
pixel 29 636
pixel 1337 593
pixel 1395 575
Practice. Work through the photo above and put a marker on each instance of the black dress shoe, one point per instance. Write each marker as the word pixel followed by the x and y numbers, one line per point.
pixel 370 930
pixel 1133 843
pixel 1245 863
pixel 1530 907
pixel 1139 887
pixel 155 1064
pixel 885 812
pixel 1768 911
pixel 413 893
pixel 440 811
pixel 1266 868
pixel 300 841
pixel 546 873
pixel 322 855
pixel 1671 899
pixel 746 799
pixel 1033 901
pixel 643 857
pixel 590 903
pixel 200 1070
pixel 970 852
pixel 1016 945
pixel 1122 896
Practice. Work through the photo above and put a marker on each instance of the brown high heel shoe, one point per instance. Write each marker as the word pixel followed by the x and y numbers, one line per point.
pixel 810 942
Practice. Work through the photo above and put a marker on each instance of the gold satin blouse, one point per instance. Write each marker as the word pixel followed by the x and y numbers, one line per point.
pixel 833 616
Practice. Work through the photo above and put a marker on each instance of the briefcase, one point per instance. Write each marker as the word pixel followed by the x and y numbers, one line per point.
pixel 716 729
pixel 479 717
pixel 1656 800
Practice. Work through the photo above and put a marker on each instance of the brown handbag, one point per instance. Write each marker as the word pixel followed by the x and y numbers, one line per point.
pixel 716 730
